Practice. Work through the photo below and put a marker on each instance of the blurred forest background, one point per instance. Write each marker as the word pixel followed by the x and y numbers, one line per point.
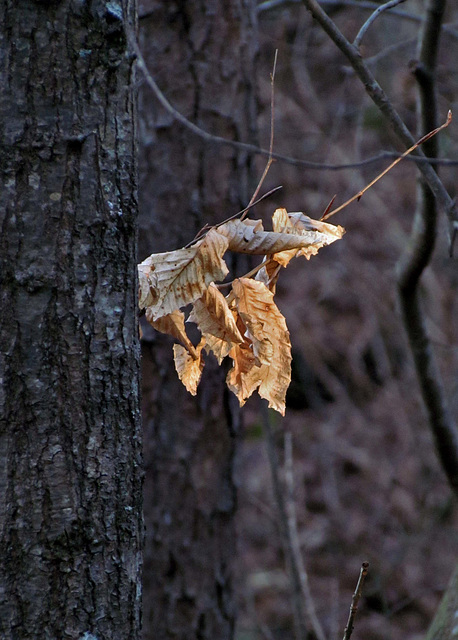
pixel 368 483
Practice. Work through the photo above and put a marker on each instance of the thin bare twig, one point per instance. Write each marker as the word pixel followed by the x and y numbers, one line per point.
pixel 355 601
pixel 271 144
pixel 243 146
pixel 206 228
pixel 303 608
pixel 372 18
pixel 366 5
pixel 250 274
pixel 251 205
pixel 378 96
pixel 243 213
pixel 358 195
pixel 294 536
pixel 300 625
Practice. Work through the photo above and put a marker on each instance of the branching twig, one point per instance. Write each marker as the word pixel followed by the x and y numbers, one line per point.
pixel 355 601
pixel 251 148
pixel 418 253
pixel 372 18
pixel 381 100
pixel 417 256
pixel 423 140
pixel 366 5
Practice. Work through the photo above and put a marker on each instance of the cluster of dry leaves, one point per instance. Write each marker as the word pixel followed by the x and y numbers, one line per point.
pixel 246 324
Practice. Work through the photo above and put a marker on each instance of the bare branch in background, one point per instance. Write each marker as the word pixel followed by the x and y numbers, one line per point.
pixel 271 144
pixel 365 5
pixel 253 149
pixel 381 100
pixel 372 18
pixel 294 536
pixel 419 250
pixel 327 214
pixel 417 256
pixel 303 609
pixel 355 601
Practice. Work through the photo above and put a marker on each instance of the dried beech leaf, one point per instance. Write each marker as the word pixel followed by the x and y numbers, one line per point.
pixel 220 348
pixel 173 324
pixel 248 236
pixel 189 369
pixel 179 277
pixel 315 233
pixel 145 297
pixel 246 374
pixel 216 322
pixel 267 330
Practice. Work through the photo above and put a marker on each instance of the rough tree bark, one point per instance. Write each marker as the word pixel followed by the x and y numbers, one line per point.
pixel 202 56
pixel 70 442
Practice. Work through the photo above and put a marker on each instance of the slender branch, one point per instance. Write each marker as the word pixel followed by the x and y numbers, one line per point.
pixel 372 18
pixel 271 144
pixel 300 625
pixel 206 228
pixel 250 274
pixel 365 5
pixel 381 100
pixel 198 131
pixel 417 256
pixel 355 601
pixel 294 536
pixel 327 214
pixel 251 148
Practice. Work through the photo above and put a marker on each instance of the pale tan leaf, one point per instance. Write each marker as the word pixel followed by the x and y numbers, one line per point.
pixel 145 296
pixel 189 369
pixel 212 315
pixel 216 322
pixel 173 324
pixel 248 236
pixel 316 234
pixel 220 348
pixel 267 330
pixel 245 375
pixel 179 277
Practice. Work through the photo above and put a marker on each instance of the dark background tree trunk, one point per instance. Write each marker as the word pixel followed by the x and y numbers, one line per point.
pixel 202 56
pixel 70 445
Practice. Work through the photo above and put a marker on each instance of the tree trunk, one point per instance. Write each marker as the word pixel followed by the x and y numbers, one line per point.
pixel 202 56
pixel 70 444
